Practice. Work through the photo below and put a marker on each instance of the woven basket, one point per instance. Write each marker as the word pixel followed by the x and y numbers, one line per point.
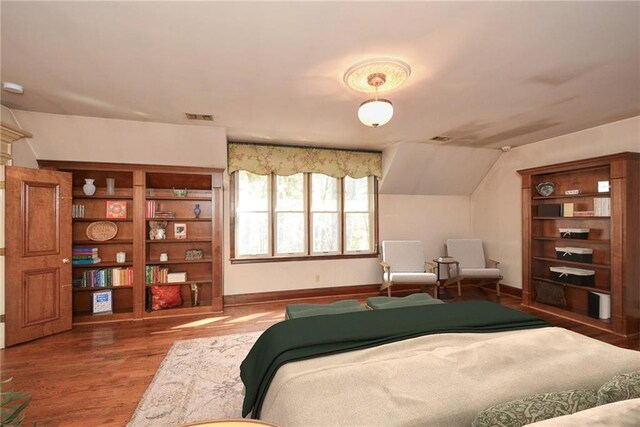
pixel 102 230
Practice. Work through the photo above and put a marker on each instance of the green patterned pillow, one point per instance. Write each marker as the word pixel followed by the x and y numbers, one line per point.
pixel 620 387
pixel 539 407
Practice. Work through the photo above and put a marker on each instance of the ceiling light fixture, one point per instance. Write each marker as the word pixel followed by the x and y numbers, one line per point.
pixel 13 88
pixel 373 76
pixel 376 112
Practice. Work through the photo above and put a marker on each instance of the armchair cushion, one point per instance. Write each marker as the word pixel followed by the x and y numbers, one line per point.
pixel 480 273
pixel 414 278
pixel 403 255
pixel 468 252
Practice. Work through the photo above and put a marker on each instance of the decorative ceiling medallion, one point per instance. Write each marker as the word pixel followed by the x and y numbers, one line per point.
pixel 394 70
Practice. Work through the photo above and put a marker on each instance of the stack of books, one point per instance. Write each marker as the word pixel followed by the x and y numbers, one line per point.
pixel 177 277
pixel 164 215
pixel 85 255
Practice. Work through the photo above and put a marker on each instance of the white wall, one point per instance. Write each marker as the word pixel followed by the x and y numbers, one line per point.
pixel 495 204
pixel 78 138
pixel 431 219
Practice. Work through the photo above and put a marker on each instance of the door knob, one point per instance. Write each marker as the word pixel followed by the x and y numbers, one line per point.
pixel 66 261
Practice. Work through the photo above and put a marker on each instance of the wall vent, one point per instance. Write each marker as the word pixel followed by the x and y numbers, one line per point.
pixel 441 138
pixel 193 116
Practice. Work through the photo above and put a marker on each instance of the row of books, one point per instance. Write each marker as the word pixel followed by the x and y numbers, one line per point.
pixel 157 274
pixel 105 277
pixel 152 211
pixel 77 211
pixel 601 207
pixel 82 255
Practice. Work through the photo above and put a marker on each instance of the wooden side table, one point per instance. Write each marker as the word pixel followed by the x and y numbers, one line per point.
pixel 443 281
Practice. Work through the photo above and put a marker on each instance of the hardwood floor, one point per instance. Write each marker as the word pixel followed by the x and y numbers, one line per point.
pixel 94 375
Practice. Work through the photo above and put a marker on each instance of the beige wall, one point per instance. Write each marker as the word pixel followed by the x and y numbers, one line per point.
pixel 78 138
pixel 431 219
pixel 495 204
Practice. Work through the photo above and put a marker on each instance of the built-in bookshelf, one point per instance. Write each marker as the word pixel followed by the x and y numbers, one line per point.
pixel 123 247
pixel 580 243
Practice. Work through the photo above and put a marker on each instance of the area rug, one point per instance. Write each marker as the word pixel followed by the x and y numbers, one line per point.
pixel 198 380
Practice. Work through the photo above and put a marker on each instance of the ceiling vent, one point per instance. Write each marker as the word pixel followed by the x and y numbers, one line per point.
pixel 441 138
pixel 206 117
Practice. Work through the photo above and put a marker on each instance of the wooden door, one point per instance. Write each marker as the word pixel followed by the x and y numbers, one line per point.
pixel 38 294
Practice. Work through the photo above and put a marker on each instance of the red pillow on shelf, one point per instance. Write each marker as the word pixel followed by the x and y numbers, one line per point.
pixel 165 297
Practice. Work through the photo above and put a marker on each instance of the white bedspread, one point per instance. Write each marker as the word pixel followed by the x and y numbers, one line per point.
pixel 438 380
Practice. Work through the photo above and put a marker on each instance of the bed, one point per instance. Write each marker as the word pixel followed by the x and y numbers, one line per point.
pixel 428 365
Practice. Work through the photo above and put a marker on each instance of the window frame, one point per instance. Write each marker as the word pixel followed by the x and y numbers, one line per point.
pixel 273 257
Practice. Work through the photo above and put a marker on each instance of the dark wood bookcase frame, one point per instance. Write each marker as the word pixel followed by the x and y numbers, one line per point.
pixel 615 239
pixel 137 184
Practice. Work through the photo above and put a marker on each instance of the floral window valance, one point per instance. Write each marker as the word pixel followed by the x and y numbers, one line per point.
pixel 263 159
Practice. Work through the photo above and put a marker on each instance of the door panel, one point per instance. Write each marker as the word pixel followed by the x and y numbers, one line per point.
pixel 38 240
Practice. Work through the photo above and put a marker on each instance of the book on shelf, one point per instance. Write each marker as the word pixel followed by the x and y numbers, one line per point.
pixel 150 206
pixel 177 277
pixel 602 206
pixel 81 250
pixel 583 213
pixel 89 261
pixel 567 209
pixel 164 215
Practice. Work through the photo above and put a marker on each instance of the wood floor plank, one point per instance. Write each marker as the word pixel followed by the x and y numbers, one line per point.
pixel 94 375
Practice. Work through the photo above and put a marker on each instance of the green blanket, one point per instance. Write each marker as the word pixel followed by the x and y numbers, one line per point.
pixel 308 337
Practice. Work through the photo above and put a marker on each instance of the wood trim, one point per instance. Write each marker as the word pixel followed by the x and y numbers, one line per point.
pixel 263 297
pixel 11 134
pixel 356 291
pixel 579 164
pixel 301 258
pixel 124 167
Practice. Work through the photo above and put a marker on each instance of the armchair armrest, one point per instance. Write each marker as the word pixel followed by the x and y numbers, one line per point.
pixel 429 267
pixel 491 263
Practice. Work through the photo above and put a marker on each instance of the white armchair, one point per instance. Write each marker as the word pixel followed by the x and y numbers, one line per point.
pixel 403 263
pixel 473 265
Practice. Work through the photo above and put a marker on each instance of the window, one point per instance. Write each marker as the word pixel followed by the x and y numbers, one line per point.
pixel 302 215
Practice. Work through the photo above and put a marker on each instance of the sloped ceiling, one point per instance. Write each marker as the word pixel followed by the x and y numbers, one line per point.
pixel 411 168
pixel 487 74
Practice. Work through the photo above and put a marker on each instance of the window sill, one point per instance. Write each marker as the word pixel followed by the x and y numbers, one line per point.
pixel 301 258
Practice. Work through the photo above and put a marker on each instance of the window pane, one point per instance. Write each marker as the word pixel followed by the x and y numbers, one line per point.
pixel 325 232
pixel 324 193
pixel 253 192
pixel 290 233
pixel 252 233
pixel 290 193
pixel 356 194
pixel 357 231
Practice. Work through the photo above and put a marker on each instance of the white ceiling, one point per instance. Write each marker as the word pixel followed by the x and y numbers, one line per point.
pixel 487 74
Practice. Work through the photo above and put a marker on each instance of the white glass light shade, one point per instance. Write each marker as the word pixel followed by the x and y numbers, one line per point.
pixel 375 112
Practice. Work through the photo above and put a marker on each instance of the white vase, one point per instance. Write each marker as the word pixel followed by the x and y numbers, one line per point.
pixel 88 187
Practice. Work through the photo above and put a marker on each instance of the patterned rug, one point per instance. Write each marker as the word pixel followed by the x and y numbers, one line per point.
pixel 198 380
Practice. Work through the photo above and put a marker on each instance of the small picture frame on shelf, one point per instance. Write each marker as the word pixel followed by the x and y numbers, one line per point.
pixel 116 209
pixel 102 302
pixel 180 231
pixel 603 186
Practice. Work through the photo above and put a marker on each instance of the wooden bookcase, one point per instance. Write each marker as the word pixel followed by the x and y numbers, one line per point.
pixel 136 185
pixel 614 238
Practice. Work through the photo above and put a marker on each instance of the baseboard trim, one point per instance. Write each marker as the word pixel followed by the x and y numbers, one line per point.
pixel 355 291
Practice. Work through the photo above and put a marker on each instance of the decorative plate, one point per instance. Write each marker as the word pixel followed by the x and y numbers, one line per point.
pixel 102 230
pixel 545 188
